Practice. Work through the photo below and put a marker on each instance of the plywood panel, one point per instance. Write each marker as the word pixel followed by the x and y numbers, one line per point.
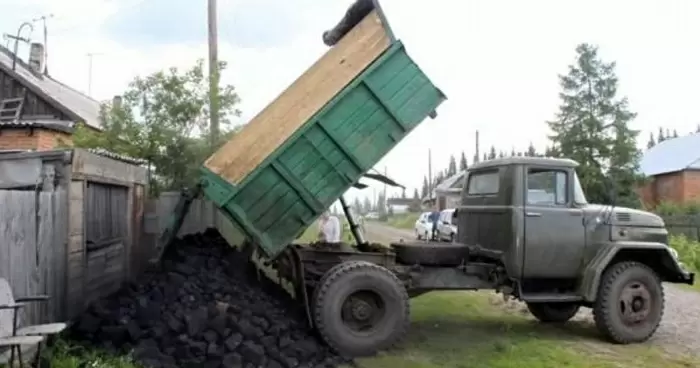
pixel 300 101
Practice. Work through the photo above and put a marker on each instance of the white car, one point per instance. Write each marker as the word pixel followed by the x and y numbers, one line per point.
pixel 447 225
pixel 423 227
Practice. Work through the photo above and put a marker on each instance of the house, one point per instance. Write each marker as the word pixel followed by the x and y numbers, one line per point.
pixel 673 170
pixel 37 112
pixel 399 205
pixel 447 194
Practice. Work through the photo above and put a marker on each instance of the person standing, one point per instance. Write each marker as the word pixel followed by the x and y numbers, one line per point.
pixel 434 218
pixel 329 229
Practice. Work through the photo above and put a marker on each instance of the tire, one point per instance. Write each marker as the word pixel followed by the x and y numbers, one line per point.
pixel 452 237
pixel 418 235
pixel 375 289
pixel 624 287
pixel 553 312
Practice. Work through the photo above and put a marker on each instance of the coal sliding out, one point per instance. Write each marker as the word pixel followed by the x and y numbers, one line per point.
pixel 202 309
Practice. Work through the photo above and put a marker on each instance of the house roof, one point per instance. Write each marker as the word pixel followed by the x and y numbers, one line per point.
pixel 450 182
pixel 73 102
pixel 672 155
pixel 50 124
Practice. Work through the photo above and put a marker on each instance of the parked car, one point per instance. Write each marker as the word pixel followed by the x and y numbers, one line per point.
pixel 447 225
pixel 423 226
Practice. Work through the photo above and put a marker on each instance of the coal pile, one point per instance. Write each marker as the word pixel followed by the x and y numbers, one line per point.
pixel 202 309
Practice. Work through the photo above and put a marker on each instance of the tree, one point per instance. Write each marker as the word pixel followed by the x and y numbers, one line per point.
pixel 403 193
pixel 486 157
pixel 492 153
pixel 660 137
pixel 531 151
pixel 651 142
pixel 416 197
pixel 675 133
pixel 357 206
pixel 157 122
pixel 501 154
pixel 463 161
pixel 367 205
pixel 591 127
pixel 425 189
pixel 452 167
pixel 697 130
pixel 512 152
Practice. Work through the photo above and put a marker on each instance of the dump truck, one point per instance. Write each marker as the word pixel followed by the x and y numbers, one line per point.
pixel 525 228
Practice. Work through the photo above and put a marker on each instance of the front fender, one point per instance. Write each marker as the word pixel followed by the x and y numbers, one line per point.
pixel 660 256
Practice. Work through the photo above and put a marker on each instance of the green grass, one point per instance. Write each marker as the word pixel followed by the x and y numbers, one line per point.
pixel 403 221
pixel 478 330
pixel 689 254
pixel 63 354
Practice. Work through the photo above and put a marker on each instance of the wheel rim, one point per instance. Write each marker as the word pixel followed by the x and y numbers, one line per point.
pixel 363 311
pixel 635 303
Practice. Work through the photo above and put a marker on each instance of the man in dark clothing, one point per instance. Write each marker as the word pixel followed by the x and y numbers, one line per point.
pixel 433 218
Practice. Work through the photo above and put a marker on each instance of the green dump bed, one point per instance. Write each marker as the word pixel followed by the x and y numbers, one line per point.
pixel 278 175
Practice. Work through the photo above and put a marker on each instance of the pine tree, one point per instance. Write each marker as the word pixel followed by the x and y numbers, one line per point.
pixel 591 127
pixel 425 189
pixel 415 194
pixel 675 133
pixel 463 162
pixel 403 193
pixel 697 130
pixel 452 167
pixel 651 142
pixel 660 136
pixel 501 154
pixel 492 153
pixel 531 151
pixel 357 206
pixel 486 156
pixel 512 152
pixel 367 205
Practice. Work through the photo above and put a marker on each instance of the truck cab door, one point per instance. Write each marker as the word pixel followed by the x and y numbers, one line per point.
pixel 554 233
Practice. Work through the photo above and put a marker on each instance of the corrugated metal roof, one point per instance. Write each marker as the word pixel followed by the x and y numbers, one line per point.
pixel 87 108
pixel 449 182
pixel 57 125
pixel 672 155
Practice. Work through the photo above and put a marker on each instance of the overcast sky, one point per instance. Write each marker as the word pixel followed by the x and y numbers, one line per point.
pixel 497 60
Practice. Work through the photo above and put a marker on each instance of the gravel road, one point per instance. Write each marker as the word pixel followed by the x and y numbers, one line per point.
pixel 679 331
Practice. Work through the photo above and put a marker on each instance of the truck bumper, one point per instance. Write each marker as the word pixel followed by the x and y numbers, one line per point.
pixel 688 278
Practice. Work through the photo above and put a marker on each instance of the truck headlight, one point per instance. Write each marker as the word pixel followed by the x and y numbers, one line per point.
pixel 673 252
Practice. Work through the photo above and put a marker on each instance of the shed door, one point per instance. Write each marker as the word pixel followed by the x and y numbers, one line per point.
pixel 105 237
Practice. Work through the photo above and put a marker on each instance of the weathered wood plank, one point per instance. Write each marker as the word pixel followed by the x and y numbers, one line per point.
pixel 87 164
pixel 301 100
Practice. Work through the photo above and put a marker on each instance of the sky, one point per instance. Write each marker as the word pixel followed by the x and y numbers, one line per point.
pixel 496 60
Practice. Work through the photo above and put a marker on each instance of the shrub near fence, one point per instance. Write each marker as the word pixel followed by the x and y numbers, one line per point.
pixel 686 225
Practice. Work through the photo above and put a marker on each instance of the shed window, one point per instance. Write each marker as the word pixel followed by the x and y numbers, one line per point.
pixel 106 215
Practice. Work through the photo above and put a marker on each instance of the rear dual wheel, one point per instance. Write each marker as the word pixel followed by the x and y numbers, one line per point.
pixel 361 308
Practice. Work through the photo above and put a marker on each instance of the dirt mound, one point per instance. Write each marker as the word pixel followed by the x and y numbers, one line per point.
pixel 202 309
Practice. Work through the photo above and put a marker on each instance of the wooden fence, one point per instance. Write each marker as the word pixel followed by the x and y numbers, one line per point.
pixel 33 249
pixel 688 225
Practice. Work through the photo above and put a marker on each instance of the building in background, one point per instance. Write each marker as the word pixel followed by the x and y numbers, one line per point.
pixel 37 112
pixel 673 171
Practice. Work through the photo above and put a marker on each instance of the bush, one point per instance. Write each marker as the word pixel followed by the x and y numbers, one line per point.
pixel 688 251
pixel 670 208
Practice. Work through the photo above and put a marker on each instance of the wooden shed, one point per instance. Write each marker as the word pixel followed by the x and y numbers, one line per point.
pixel 71 225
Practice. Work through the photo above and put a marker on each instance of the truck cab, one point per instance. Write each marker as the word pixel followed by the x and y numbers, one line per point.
pixel 561 252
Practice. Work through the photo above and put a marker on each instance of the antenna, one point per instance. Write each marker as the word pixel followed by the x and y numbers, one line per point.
pixel 46 42
pixel 90 55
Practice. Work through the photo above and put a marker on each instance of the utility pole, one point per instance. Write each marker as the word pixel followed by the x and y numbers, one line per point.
pixel 90 55
pixel 477 158
pixel 213 74
pixel 430 175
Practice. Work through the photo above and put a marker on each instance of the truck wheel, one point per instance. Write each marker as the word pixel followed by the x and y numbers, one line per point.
pixel 361 308
pixel 553 312
pixel 630 303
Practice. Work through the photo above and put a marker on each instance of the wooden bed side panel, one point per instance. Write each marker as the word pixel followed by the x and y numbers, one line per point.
pixel 268 130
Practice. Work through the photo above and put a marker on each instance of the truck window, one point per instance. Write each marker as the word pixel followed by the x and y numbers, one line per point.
pixel 546 187
pixel 485 182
